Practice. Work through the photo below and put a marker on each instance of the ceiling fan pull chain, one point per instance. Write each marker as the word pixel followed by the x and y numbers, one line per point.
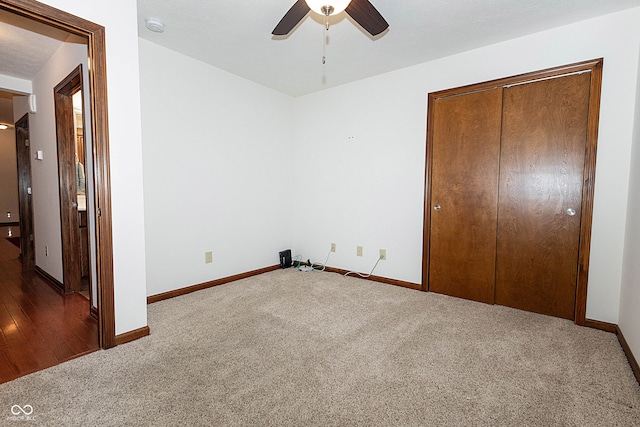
pixel 325 37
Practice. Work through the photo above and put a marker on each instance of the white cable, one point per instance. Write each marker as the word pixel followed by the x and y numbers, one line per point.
pixel 325 262
pixel 365 276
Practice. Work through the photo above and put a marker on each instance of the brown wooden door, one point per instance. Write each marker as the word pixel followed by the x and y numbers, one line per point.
pixel 70 230
pixel 544 134
pixel 23 156
pixel 464 194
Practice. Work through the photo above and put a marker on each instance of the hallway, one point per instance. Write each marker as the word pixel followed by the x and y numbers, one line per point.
pixel 39 327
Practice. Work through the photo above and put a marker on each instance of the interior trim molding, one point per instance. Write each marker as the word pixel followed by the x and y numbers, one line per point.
pixel 603 326
pixel 627 351
pixel 49 279
pixel 75 356
pixel 187 290
pixel 615 329
pixel 132 335
pixel 380 279
pixel 183 291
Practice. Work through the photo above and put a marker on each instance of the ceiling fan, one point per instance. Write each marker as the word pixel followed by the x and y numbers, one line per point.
pixel 362 11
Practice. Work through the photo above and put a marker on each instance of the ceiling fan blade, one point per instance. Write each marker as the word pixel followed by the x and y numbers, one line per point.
pixel 367 16
pixel 298 11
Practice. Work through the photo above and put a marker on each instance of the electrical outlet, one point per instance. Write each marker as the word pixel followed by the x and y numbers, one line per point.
pixel 383 254
pixel 359 251
pixel 208 257
pixel 8 214
pixel 333 247
pixel 46 250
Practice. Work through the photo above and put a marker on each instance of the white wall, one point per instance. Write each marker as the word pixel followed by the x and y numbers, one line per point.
pixel 386 117
pixel 8 166
pixel 629 321
pixel 20 106
pixel 14 84
pixel 217 171
pixel 8 177
pixel 365 170
pixel 119 17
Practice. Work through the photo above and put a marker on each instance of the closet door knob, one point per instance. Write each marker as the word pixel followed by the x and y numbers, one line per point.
pixel 437 207
pixel 571 212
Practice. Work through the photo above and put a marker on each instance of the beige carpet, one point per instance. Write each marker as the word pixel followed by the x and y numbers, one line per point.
pixel 292 348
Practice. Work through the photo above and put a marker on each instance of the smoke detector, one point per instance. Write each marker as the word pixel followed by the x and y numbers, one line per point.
pixel 154 24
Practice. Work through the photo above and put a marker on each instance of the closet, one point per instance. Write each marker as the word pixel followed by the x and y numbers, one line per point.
pixel 509 190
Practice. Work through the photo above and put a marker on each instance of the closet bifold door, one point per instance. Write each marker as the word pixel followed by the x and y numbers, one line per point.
pixel 542 159
pixel 464 194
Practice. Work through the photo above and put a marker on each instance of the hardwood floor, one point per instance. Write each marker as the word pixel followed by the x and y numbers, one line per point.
pixel 39 327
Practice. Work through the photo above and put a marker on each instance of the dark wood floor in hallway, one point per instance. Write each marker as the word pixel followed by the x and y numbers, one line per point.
pixel 39 327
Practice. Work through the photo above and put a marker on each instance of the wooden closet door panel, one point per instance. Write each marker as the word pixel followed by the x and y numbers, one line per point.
pixel 544 132
pixel 464 183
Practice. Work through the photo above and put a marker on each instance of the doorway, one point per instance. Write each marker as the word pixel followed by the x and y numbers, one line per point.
pixel 76 219
pixel 95 38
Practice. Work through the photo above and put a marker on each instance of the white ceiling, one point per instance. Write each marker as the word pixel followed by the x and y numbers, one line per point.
pixel 26 45
pixel 236 36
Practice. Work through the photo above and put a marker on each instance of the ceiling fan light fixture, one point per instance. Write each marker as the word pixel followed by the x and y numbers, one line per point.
pixel 333 7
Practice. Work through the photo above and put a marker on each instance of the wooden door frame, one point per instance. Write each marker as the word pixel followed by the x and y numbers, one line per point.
pixel 95 36
pixel 595 67
pixel 65 135
pixel 23 160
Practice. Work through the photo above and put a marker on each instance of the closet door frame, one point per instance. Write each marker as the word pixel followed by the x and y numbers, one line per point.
pixel 595 68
